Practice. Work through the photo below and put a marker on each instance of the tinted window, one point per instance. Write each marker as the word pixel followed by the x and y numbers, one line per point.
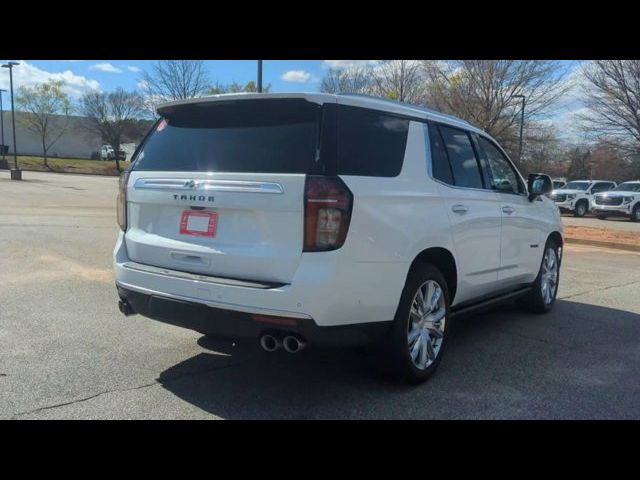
pixel 576 186
pixel 601 187
pixel 439 161
pixel 261 136
pixel 466 172
pixel 628 187
pixel 370 142
pixel 501 175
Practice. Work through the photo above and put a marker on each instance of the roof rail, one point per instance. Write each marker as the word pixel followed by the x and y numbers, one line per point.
pixel 410 105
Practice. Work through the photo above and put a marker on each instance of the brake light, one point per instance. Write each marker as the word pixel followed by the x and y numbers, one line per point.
pixel 122 200
pixel 328 204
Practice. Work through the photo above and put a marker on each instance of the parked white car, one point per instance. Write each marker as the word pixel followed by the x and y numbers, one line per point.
pixel 624 200
pixel 106 152
pixel 577 196
pixel 558 183
pixel 329 220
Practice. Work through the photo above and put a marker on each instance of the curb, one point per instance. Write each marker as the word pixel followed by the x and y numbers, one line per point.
pixel 597 243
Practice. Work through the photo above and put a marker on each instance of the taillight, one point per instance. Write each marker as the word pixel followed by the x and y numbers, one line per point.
pixel 122 200
pixel 328 204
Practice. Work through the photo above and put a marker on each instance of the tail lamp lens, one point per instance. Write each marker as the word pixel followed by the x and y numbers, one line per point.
pixel 122 200
pixel 328 204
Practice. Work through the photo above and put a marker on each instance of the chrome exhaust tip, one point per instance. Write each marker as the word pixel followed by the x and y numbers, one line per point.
pixel 269 343
pixel 293 344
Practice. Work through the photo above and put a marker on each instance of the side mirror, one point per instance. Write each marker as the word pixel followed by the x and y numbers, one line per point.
pixel 538 184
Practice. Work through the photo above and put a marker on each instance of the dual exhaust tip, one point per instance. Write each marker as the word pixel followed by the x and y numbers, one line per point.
pixel 290 343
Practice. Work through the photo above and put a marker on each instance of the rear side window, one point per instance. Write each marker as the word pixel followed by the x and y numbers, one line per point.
pixel 259 136
pixel 370 142
pixel 440 167
pixel 466 172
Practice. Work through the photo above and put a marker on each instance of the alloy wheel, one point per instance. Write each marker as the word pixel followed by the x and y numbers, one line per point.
pixel 427 318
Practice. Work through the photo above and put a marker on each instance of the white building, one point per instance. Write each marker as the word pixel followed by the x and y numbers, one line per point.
pixel 77 141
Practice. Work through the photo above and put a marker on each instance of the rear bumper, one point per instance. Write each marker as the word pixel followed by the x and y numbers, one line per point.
pixel 238 325
pixel 326 291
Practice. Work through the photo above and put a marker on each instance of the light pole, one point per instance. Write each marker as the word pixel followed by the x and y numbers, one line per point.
pixel 16 174
pixel 2 125
pixel 259 76
pixel 521 127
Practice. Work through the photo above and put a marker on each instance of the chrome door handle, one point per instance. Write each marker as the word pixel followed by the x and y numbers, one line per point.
pixel 459 209
pixel 508 210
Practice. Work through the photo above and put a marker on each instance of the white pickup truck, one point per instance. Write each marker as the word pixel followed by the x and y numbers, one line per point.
pixel 577 196
pixel 623 201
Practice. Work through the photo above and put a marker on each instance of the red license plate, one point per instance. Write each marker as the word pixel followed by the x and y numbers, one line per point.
pixel 203 224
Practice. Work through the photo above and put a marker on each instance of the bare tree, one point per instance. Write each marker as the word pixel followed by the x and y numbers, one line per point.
pixel 612 99
pixel 174 80
pixel 177 79
pixel 400 80
pixel 545 152
pixel 355 79
pixel 236 87
pixel 46 110
pixel 114 116
pixel 485 92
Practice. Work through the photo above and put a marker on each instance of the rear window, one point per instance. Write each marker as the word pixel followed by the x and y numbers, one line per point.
pixel 259 136
pixel 276 136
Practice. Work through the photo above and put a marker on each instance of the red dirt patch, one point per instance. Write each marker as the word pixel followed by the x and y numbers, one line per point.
pixel 602 235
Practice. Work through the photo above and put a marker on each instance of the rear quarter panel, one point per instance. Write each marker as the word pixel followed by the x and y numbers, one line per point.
pixel 394 219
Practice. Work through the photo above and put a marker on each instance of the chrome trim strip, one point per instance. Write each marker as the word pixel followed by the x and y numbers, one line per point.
pixel 221 305
pixel 493 270
pixel 237 186
pixel 165 272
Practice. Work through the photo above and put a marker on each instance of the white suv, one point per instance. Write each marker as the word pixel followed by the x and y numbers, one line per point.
pixel 329 220
pixel 577 196
pixel 624 200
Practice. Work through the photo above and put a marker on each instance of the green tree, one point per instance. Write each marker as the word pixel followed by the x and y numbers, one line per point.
pixel 47 109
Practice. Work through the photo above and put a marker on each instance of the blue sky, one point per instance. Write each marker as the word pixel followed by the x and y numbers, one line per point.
pixel 283 75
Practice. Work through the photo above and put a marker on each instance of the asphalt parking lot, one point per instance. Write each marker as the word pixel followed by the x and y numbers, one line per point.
pixel 67 352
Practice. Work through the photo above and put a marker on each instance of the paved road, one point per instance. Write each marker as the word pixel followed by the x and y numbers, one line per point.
pixel 66 351
pixel 611 223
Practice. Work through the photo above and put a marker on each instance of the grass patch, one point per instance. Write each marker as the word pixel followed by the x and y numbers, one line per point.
pixel 68 165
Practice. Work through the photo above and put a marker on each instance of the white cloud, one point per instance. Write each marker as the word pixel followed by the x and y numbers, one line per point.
pixel 105 67
pixel 132 68
pixel 28 75
pixel 297 76
pixel 142 85
pixel 349 63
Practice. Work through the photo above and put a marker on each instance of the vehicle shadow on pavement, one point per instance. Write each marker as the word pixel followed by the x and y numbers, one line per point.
pixel 501 363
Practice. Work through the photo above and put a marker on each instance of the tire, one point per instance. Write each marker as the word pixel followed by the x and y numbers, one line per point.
pixel 536 300
pixel 428 348
pixel 582 207
pixel 635 214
